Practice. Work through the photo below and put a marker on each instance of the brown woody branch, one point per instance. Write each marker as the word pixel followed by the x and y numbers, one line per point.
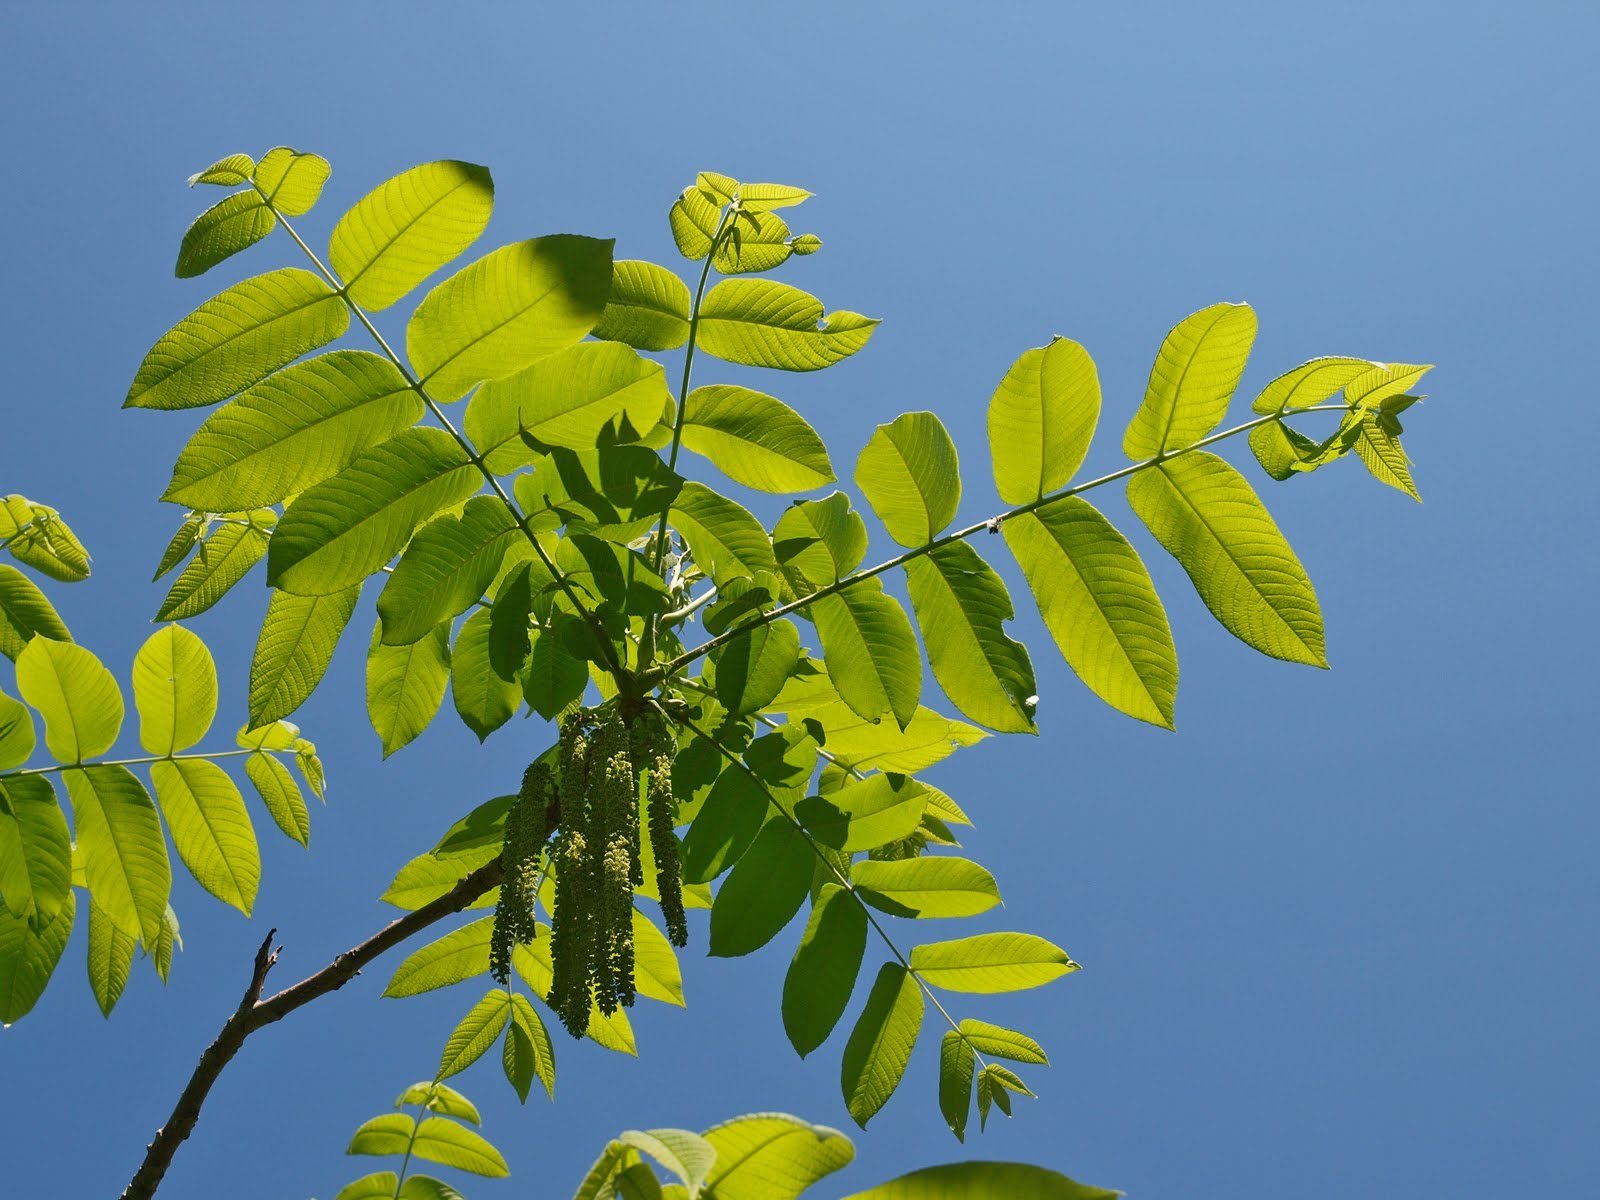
pixel 254 1012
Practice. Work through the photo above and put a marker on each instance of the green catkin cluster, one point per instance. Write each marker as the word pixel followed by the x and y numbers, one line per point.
pixel 528 824
pixel 605 757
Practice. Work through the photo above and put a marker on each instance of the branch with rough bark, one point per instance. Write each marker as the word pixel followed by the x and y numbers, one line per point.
pixel 254 1012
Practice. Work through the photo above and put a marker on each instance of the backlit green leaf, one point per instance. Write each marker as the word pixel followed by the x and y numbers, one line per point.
pixel 292 430
pixel 342 530
pixel 991 962
pixel 408 227
pixel 77 697
pixel 459 955
pixel 124 854
pixel 556 674
pixel 819 542
pixel 291 180
pixel 910 474
pixel 871 651
pixel 110 958
pixel 730 816
pixel 224 558
pixel 880 1045
pixel 962 606
pixel 866 813
pixel 1041 420
pixel 1212 522
pixel 507 310
pixel 926 887
pixel 1004 1043
pixel 406 684
pixel 751 670
pixel 382 1136
pixel 532 963
pixel 477 1031
pixel 226 172
pixel 1194 376
pixel 1100 606
pixel 443 1141
pixel 483 699
pixel 956 1063
pixel 694 220
pixel 822 975
pixel 281 794
pixel 36 536
pixel 528 1053
pixel 298 638
pixel 772 1156
pixel 656 972
pixel 865 745
pixel 1383 381
pixel 210 828
pixel 35 847
pixel 445 569
pixel 753 241
pixel 183 542
pixel 616 493
pixel 1309 384
pixel 760 323
pixel 984 1181
pixel 237 338
pixel 1384 457
pixel 725 540
pixel 426 877
pixel 28 958
pixel 763 891
pixel 174 690
pixel 648 308
pixel 755 439
pixel 24 612
pixel 224 229
pixel 378 1186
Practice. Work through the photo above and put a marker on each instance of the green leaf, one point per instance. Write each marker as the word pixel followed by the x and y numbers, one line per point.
pixel 510 308
pixel 183 541
pixel 772 1156
pixel 161 952
pixel 759 323
pixel 1004 1043
pixel 291 180
pixel 751 670
pixel 510 634
pixel 210 828
pixel 237 338
pixel 110 958
pixel 223 560
pixel 378 1186
pixel 725 540
pixel 819 542
pixel 729 819
pixel 880 1045
pixel 753 241
pixel 763 891
pixel 1194 376
pixel 1212 522
pixel 477 1031
pixel 1280 450
pixel 124 855
pixel 24 612
pixel 226 172
pixel 382 1136
pixel 694 218
pixel 296 645
pixel 445 569
pixel 556 674
pixel 1384 457
pixel 865 745
pixel 408 227
pixel 866 813
pixel 35 847
pixel 956 1064
pixel 926 887
pixel 224 229
pixel 342 530
pixel 1309 384
pixel 655 965
pixel 459 955
pixel 281 795
pixel 425 878
pixel 910 475
pixel 293 430
pixel 984 1181
pixel 28 958
pixel 1383 381
pixel 755 439
pixel 1042 419
pixel 822 975
pixel 406 685
pixel 36 536
pixel 962 606
pixel 483 699
pixel 648 308
pixel 174 690
pixel 871 652
pixel 528 1052
pixel 991 962
pixel 77 697
pixel 425 1187
pixel 588 395
pixel 532 963
pixel 16 732
pixel 616 493
pixel 687 1155
pixel 1098 602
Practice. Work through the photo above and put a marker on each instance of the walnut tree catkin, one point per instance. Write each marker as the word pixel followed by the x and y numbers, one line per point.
pixel 527 828
pixel 653 753
pixel 572 928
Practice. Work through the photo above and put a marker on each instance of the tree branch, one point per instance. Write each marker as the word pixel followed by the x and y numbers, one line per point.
pixel 254 1012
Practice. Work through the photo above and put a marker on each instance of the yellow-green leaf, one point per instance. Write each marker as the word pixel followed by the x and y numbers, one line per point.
pixel 298 638
pixel 926 887
pixel 864 813
pixel 35 847
pixel 1212 522
pixel 224 558
pixel 725 540
pixel 1384 457
pixel 406 685
pixel 174 690
pixel 648 308
pixel 763 891
pixel 1100 606
pixel 772 1156
pixel 866 745
pixel 16 732
pixel 445 569
pixel 880 1045
pixel 755 439
pixel 459 955
pixel 956 1063
pixel 1004 1043
pixel 227 227
pixel 281 795
pixel 408 227
pixel 483 699
pixel 291 180
pixel 870 651
pixel 210 828
pixel 36 535
pixel 507 310
pixel 24 612
pixel 226 172
pixel 1041 420
pixel 1194 376
pixel 760 323
pixel 476 1032
pixel 910 474
pixel 28 957
pixel 110 958
pixel 124 855
pixel 984 1181
pixel 655 964
pixel 443 1141
pixel 77 697
pixel 1309 384
pixel 237 338
pixel 991 962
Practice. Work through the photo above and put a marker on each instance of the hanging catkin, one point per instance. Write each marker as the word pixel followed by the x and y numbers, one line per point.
pixel 656 762
pixel 615 822
pixel 527 828
pixel 572 940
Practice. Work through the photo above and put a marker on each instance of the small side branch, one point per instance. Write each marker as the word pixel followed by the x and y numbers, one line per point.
pixel 254 1012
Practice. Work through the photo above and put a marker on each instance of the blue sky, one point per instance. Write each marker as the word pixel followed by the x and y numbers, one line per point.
pixel 1337 930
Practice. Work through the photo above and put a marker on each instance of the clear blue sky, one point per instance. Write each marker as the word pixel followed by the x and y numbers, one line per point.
pixel 1338 931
